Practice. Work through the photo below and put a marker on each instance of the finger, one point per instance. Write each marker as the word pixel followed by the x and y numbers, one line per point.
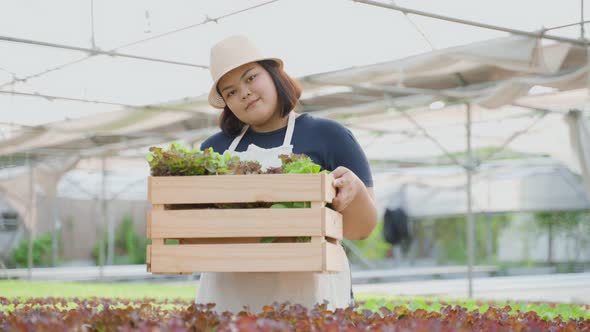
pixel 340 202
pixel 339 171
pixel 337 204
pixel 340 182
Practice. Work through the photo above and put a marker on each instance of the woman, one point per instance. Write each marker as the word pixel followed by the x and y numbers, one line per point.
pixel 258 123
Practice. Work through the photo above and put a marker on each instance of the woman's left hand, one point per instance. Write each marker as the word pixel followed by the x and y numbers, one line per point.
pixel 348 185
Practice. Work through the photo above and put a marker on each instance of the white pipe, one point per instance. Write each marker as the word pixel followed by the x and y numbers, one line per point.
pixel 470 222
pixel 406 10
pixel 96 51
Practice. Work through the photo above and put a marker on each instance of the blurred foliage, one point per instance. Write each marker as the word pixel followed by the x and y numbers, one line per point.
pixel 42 252
pixel 571 222
pixel 373 247
pixel 446 238
pixel 130 247
pixel 486 153
pixel 575 225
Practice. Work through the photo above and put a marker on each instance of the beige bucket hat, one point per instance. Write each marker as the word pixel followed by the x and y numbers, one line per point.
pixel 228 54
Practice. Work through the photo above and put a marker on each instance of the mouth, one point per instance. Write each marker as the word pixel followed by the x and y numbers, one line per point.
pixel 252 103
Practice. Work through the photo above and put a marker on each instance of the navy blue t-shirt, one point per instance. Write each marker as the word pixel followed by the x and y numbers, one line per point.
pixel 327 142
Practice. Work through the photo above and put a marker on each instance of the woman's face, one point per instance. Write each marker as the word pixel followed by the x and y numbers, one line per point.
pixel 250 94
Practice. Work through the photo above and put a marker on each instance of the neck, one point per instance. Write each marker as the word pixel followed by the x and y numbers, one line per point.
pixel 274 123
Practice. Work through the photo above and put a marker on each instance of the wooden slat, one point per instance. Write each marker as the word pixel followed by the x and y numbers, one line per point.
pixel 212 226
pixel 334 258
pixel 324 256
pixel 318 205
pixel 332 223
pixel 239 188
pixel 157 240
pixel 263 257
pixel 328 189
pixel 318 239
pixel 221 240
pixel 217 223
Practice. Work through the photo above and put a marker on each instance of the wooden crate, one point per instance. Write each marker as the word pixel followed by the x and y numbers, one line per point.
pixel 228 240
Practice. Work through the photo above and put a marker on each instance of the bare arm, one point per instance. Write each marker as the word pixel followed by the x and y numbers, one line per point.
pixel 356 203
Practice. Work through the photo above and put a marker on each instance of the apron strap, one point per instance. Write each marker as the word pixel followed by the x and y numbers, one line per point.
pixel 290 129
pixel 237 140
pixel 286 141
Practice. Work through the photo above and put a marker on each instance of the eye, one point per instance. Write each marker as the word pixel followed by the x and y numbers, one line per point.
pixel 251 78
pixel 231 93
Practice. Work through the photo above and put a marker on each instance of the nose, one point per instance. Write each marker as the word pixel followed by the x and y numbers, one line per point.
pixel 245 93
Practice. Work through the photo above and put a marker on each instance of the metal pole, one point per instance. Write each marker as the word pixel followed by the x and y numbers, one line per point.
pixel 101 228
pixel 151 108
pixel 583 37
pixel 97 51
pixel 567 25
pixel 106 217
pixel 470 222
pixel 489 221
pixel 205 21
pixel 92 39
pixel 30 217
pixel 489 238
pixel 582 30
pixel 406 10
pixel 56 228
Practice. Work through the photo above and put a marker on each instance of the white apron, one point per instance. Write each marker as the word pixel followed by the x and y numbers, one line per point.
pixel 232 291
